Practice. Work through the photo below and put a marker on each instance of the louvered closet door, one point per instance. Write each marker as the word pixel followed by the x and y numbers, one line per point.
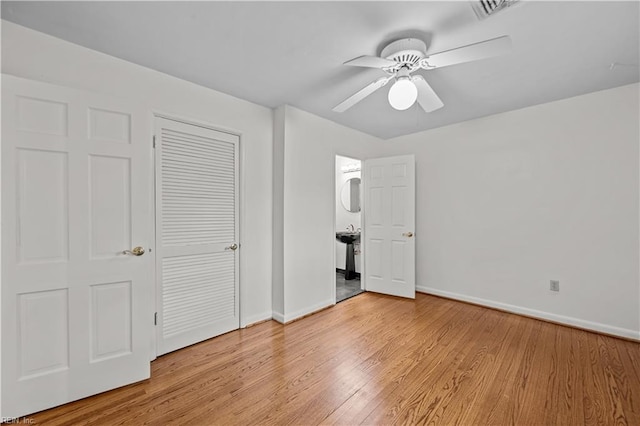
pixel 197 233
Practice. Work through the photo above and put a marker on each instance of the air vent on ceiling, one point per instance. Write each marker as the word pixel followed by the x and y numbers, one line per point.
pixel 486 8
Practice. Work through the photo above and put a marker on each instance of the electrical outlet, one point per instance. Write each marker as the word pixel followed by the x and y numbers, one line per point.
pixel 554 285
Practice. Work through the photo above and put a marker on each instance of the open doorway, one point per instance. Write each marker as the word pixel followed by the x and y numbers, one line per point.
pixel 348 220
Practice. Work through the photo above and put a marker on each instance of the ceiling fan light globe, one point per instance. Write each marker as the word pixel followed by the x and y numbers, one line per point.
pixel 403 94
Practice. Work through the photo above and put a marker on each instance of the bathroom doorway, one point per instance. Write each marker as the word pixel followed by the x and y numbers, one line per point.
pixel 348 224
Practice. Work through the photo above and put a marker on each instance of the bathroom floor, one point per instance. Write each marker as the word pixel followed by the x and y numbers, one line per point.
pixel 346 289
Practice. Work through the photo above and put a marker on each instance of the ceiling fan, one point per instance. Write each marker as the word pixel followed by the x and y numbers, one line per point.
pixel 402 57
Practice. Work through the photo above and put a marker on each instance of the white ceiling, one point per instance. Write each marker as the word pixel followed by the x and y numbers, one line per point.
pixel 274 53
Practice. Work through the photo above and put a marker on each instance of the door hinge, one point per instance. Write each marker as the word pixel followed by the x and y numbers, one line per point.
pixel 155 318
pixel 154 141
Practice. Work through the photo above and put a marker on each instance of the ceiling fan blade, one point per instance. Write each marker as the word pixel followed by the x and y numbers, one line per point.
pixel 371 62
pixel 360 95
pixel 427 98
pixel 472 52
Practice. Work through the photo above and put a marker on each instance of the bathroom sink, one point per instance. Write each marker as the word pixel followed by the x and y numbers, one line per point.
pixel 348 237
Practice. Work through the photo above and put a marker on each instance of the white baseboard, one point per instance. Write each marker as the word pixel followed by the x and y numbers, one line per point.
pixel 561 319
pixel 302 312
pixel 277 316
pixel 253 319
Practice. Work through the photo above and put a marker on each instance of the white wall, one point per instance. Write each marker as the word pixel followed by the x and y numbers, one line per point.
pixel 344 217
pixel 508 202
pixel 29 54
pixel 310 146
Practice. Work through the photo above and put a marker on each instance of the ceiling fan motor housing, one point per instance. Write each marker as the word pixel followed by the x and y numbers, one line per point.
pixel 406 51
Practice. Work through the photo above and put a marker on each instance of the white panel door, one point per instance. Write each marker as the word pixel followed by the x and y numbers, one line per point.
pixel 196 233
pixel 389 223
pixel 76 185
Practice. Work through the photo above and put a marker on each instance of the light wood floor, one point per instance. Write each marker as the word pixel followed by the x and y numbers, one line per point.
pixel 382 360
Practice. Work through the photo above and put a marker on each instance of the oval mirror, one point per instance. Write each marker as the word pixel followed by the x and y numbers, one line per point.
pixel 350 195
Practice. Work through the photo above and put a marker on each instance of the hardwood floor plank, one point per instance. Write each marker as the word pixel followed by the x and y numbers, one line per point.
pixel 567 389
pixel 439 374
pixel 493 391
pixel 541 376
pixel 376 359
pixel 387 376
pixel 491 375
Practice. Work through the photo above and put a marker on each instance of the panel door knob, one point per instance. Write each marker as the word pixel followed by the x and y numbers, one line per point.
pixel 408 234
pixel 233 247
pixel 136 251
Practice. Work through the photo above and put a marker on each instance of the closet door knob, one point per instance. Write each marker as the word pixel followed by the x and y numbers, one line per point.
pixel 233 247
pixel 408 234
